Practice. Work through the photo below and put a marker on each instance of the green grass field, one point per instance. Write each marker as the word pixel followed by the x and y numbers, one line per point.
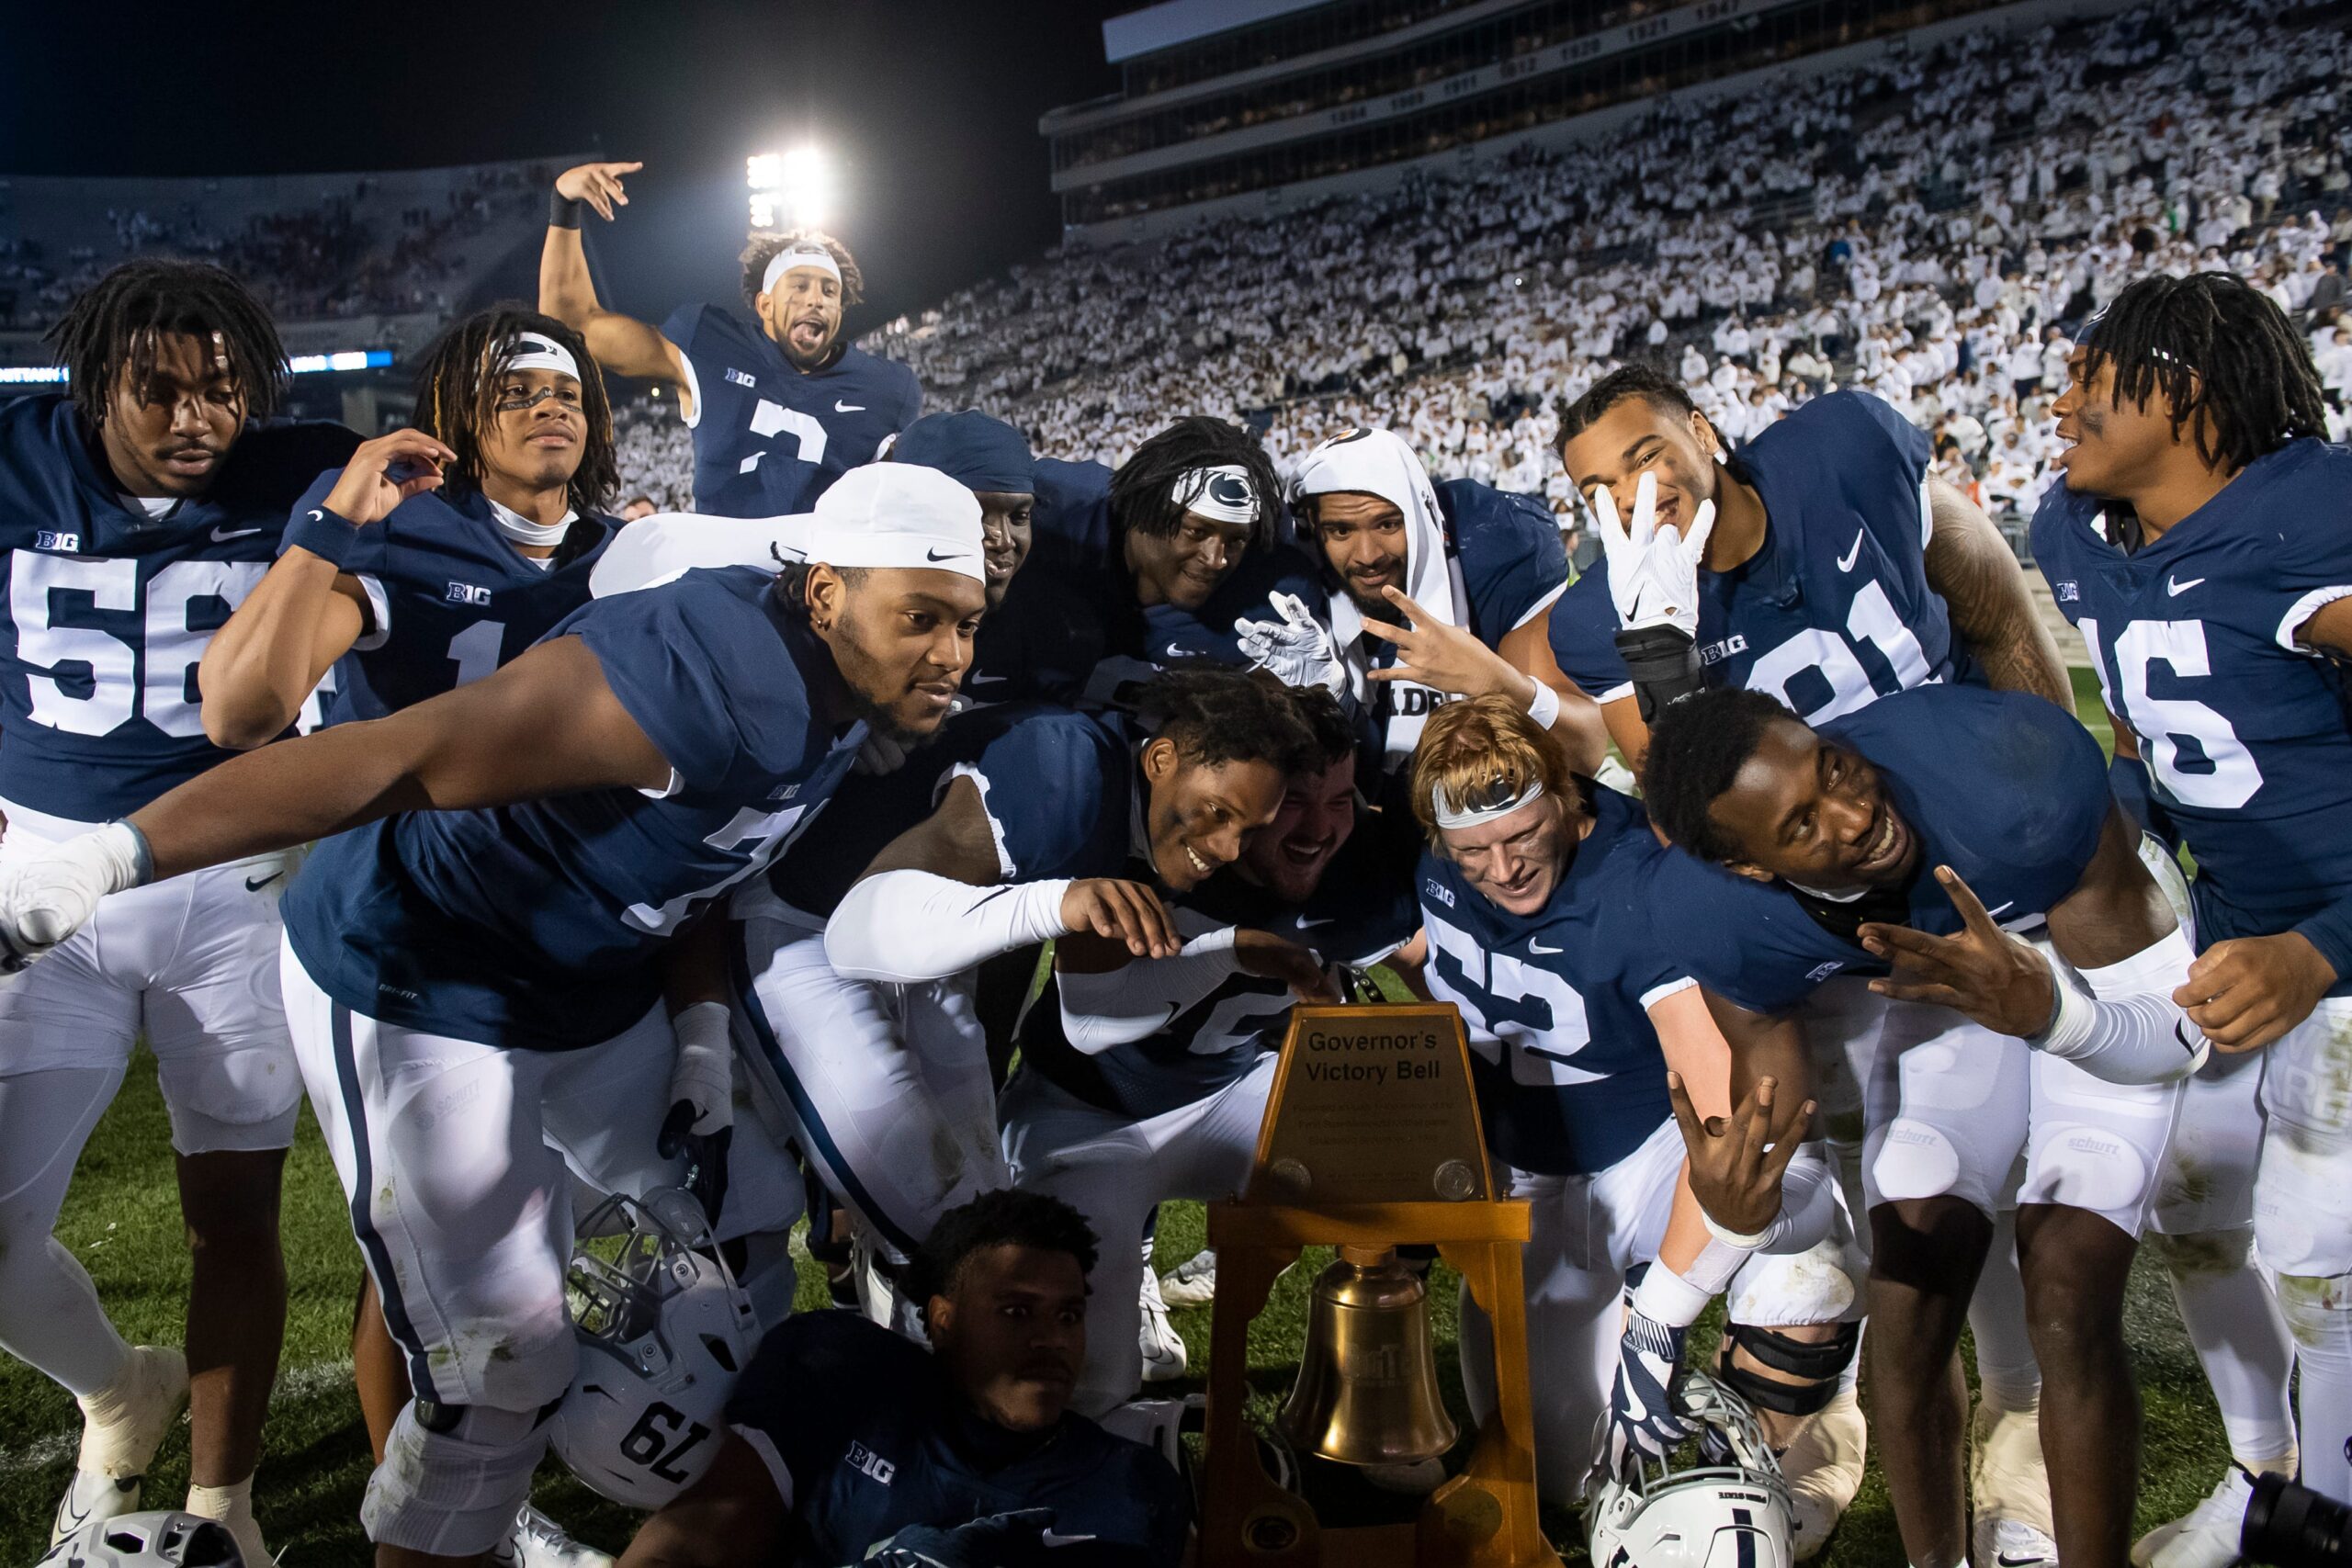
pixel 122 1222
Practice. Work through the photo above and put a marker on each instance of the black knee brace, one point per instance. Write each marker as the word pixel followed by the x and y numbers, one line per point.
pixel 1820 1365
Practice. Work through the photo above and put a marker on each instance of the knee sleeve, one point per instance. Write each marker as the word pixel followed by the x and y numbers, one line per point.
pixel 235 1101
pixel 453 1477
pixel 1822 1367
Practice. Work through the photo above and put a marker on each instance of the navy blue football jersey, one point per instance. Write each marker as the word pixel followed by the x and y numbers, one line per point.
pixel 449 598
pixel 873 1439
pixel 1057 785
pixel 108 611
pixel 535 925
pixel 1569 1074
pixel 2004 787
pixel 1507 566
pixel 2244 732
pixel 769 438
pixel 1361 911
pixel 1070 630
pixel 1833 612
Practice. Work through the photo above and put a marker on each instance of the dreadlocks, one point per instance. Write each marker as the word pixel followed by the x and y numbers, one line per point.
pixel 457 396
pixel 764 248
pixel 2220 354
pixel 116 324
pixel 1144 498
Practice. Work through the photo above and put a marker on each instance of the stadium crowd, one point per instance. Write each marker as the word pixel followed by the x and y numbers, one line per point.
pixel 423 779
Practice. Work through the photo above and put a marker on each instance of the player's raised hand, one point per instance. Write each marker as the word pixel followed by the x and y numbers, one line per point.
pixel 1297 649
pixel 2247 991
pixel 1444 658
pixel 1123 911
pixel 598 184
pixel 1272 957
pixel 386 471
pixel 1652 571
pixel 1736 1161
pixel 1982 971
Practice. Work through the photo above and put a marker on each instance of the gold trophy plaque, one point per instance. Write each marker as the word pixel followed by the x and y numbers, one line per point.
pixel 1371 1138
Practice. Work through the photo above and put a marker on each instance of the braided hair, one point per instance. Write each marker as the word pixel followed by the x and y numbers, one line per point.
pixel 2222 356
pixel 457 396
pixel 1143 492
pixel 115 326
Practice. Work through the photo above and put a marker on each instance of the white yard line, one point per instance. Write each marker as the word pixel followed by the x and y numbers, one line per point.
pixel 294 1384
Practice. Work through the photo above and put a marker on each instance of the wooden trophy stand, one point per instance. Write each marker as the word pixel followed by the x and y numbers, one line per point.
pixel 1371 1138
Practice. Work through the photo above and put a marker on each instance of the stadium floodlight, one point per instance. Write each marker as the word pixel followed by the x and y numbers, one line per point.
pixel 792 189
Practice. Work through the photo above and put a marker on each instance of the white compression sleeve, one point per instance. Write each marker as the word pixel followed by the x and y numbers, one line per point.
pixel 1142 997
pixel 1806 1208
pixel 2120 1023
pixel 908 926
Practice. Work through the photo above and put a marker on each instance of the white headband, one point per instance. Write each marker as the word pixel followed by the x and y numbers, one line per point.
pixel 1471 816
pixel 802 254
pixel 533 352
pixel 1223 493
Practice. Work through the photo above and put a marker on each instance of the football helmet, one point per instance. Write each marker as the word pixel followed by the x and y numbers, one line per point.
pixel 158 1539
pixel 663 1331
pixel 1729 1508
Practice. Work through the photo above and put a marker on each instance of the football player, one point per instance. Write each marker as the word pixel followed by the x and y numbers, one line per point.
pixel 855 958
pixel 1143 1079
pixel 1149 564
pixel 1853 848
pixel 1834 570
pixel 470 952
pixel 1589 1044
pixel 780 403
pixel 140 508
pixel 2198 544
pixel 1475 572
pixel 848 1444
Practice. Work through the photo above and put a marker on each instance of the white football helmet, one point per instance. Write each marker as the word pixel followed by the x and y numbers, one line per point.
pixel 159 1539
pixel 1729 1510
pixel 664 1332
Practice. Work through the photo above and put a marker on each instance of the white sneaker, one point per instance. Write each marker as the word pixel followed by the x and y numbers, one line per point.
pixel 1823 1465
pixel 2011 1487
pixel 2011 1543
pixel 1163 1347
pixel 1191 1283
pixel 539 1543
pixel 122 1426
pixel 2205 1536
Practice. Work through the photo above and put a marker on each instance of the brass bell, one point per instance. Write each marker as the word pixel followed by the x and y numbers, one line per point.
pixel 1367 1377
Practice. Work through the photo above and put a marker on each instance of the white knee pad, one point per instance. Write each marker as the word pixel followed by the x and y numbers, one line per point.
pixel 1917 1160
pixel 453 1493
pixel 1822 1284
pixel 235 1101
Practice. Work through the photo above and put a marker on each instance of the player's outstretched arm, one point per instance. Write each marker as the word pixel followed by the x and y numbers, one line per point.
pixel 1579 727
pixel 732 1517
pixel 546 724
pixel 306 612
pixel 623 345
pixel 1978 577
pixel 934 903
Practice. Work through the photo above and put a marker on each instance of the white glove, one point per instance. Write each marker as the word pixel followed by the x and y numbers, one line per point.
pixel 1297 650
pixel 705 1075
pixel 45 901
pixel 1652 571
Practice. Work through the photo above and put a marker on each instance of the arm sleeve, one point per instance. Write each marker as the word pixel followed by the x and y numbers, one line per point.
pixel 2120 1023
pixel 1139 998
pixel 910 926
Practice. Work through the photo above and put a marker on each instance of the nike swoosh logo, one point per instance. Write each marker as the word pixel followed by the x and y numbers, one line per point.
pixel 945 554
pixel 1048 1538
pixel 1988 915
pixel 220 534
pixel 1845 562
pixel 256 884
pixel 2005 1561
pixel 2176 587
pixel 986 680
pixel 1305 924
pixel 1534 946
pixel 1176 652
pixel 841 407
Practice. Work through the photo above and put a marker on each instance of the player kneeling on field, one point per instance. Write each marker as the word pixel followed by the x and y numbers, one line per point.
pixel 1589 1045
pixel 846 1443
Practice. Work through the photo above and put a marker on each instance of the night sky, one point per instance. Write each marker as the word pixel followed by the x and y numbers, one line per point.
pixel 929 108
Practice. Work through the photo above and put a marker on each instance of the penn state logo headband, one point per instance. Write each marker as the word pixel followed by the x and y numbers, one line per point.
pixel 534 352
pixel 804 253
pixel 1223 493
pixel 1496 800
